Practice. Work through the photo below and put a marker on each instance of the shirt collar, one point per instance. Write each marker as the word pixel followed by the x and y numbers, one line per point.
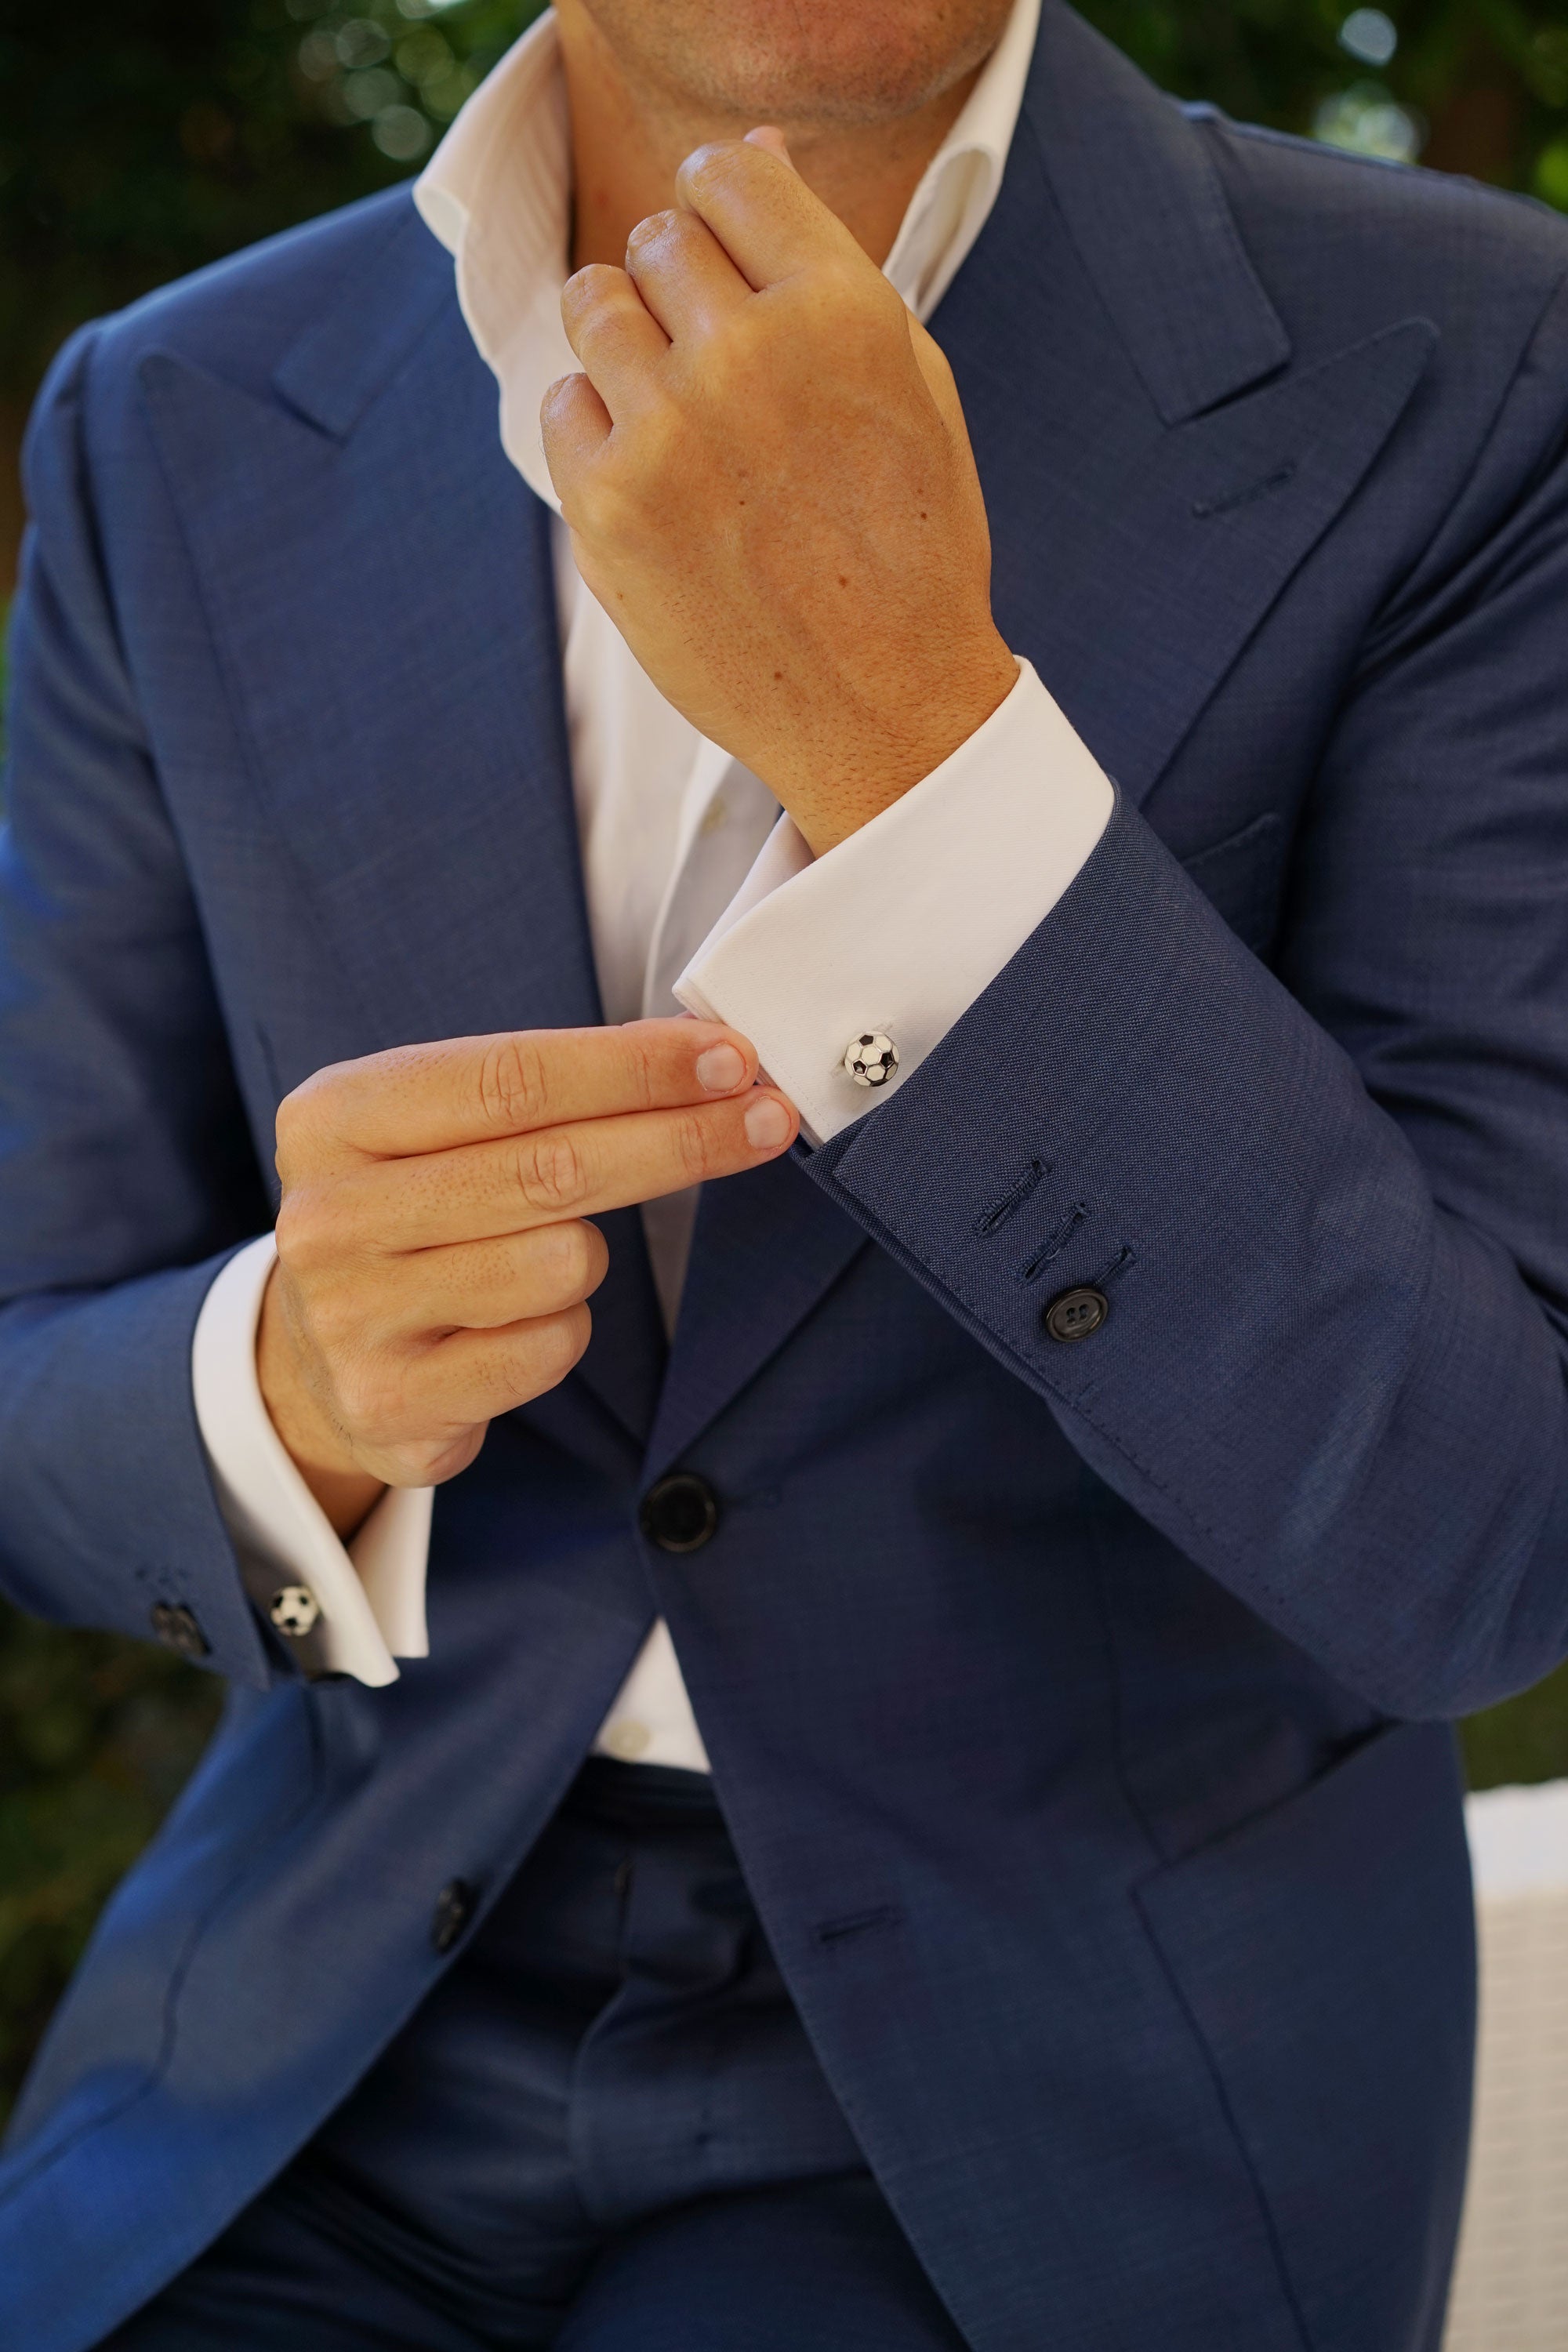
pixel 497 192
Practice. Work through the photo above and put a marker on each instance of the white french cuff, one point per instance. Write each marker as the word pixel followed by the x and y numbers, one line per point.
pixel 893 935
pixel 370 1593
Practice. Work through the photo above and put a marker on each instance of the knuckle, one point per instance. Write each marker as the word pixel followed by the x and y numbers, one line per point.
pixel 551 1175
pixel 695 1142
pixel 550 1348
pixel 297 1124
pixel 715 164
pixel 569 1335
pixel 642 1066
pixel 666 227
pixel 572 1257
pixel 514 1087
pixel 606 511
pixel 370 1397
pixel 303 1232
pixel 590 284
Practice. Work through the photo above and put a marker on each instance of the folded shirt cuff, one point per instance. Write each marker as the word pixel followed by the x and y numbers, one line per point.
pixel 893 934
pixel 370 1593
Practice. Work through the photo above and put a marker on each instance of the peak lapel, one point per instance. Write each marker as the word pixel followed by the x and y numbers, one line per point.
pixel 1155 466
pixel 380 587
pixel 1154 471
pixel 766 1249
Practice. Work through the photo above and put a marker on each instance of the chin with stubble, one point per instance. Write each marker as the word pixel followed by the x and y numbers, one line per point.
pixel 819 62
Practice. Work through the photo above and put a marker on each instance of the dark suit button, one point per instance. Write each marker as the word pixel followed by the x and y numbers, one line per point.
pixel 1075 1314
pixel 680 1513
pixel 177 1629
pixel 454 1909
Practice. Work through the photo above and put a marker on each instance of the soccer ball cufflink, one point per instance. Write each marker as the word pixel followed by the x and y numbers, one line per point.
pixel 294 1611
pixel 870 1059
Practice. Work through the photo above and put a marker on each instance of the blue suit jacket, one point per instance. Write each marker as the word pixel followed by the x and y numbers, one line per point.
pixel 1065 1701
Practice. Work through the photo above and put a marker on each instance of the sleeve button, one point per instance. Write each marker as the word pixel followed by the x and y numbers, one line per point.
pixel 871 1059
pixel 177 1629
pixel 1075 1314
pixel 454 1909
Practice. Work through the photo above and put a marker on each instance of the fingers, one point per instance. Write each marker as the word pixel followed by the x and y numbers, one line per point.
pixel 683 274
pixel 762 212
pixel 466 1380
pixel 487 1285
pixel 424 1099
pixel 480 1192
pixel 614 333
pixel 769 135
pixel 573 426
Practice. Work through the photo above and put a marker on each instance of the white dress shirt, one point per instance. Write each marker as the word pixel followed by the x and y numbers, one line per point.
pixel 700 893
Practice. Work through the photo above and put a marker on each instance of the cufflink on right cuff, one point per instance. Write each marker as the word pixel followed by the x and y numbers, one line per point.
pixel 870 1059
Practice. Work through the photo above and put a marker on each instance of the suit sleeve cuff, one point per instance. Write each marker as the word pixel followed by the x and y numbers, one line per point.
pixel 897 931
pixel 371 1594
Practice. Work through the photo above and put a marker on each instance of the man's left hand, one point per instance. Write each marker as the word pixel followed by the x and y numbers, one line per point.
pixel 770 489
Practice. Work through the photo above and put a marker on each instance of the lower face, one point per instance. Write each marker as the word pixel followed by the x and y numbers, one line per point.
pixel 828 61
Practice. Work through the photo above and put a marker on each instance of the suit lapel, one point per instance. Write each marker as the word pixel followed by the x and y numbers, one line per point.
pixel 1154 472
pixel 766 1249
pixel 379 585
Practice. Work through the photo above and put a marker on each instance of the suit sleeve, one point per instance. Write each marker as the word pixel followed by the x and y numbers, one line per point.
pixel 1328 1207
pixel 127 1175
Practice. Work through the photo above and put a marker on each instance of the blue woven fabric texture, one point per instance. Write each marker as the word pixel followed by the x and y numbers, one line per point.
pixel 1079 1713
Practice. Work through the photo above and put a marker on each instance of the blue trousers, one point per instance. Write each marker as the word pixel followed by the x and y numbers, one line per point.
pixel 604 2131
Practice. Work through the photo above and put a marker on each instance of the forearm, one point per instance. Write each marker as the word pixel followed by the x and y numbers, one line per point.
pixel 1343 1403
pixel 107 1508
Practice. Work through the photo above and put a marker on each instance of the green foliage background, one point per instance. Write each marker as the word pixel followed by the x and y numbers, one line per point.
pixel 142 137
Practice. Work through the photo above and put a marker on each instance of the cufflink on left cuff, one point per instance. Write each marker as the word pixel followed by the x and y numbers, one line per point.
pixel 870 1059
pixel 294 1610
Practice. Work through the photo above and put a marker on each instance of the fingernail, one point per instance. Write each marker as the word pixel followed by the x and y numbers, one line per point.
pixel 767 1124
pixel 720 1069
pixel 769 135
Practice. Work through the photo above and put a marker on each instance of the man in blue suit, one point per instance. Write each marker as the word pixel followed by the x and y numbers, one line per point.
pixel 1017 1897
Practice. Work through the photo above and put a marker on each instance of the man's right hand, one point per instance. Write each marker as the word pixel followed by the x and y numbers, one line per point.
pixel 435 1259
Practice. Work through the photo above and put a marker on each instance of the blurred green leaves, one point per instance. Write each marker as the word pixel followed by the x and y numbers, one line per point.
pixel 142 138
pixel 96 1736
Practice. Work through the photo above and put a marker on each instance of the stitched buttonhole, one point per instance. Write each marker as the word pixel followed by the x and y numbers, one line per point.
pixel 1206 509
pixel 1056 1242
pixel 997 1214
pixel 860 1923
pixel 1117 1265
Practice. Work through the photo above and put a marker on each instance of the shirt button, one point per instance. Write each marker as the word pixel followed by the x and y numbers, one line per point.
pixel 454 1909
pixel 176 1627
pixel 680 1513
pixel 1075 1314
pixel 294 1610
pixel 628 1741
pixel 870 1059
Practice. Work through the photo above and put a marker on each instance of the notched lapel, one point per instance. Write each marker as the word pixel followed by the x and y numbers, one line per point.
pixel 383 603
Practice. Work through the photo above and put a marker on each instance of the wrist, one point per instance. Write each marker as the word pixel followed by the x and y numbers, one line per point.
pixel 927 725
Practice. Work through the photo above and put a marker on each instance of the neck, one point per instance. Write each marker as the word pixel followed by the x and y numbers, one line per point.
pixel 627 141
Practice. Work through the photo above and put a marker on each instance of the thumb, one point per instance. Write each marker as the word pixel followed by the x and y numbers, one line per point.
pixel 770 136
